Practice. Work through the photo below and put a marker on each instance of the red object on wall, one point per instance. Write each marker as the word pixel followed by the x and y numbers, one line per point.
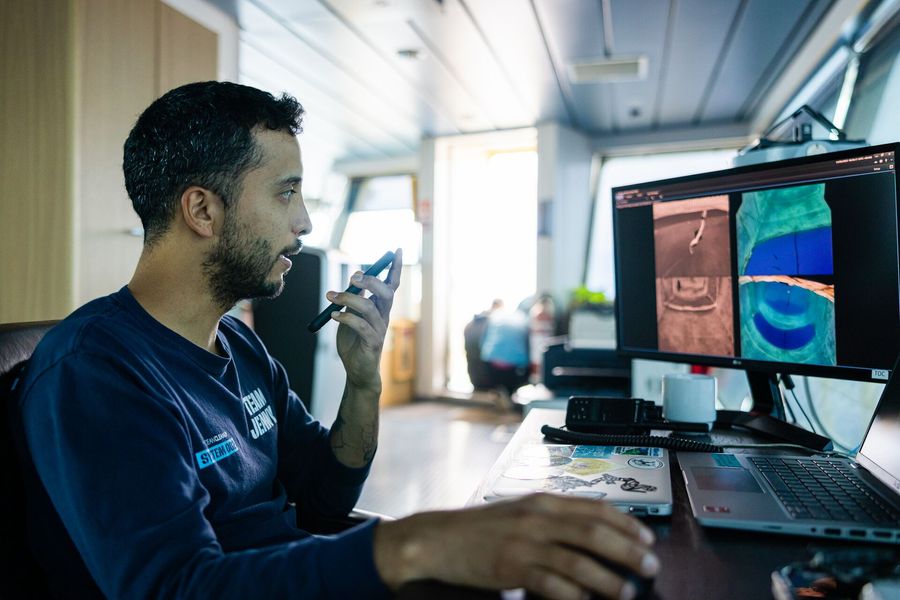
pixel 542 326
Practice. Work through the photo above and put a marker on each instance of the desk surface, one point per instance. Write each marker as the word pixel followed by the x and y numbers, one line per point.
pixel 431 455
pixel 696 562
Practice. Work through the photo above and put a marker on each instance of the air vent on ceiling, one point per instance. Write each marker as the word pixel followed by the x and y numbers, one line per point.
pixel 609 70
pixel 410 54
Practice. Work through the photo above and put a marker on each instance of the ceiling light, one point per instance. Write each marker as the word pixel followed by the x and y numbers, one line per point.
pixel 609 70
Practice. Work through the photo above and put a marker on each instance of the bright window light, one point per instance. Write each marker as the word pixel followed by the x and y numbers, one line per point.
pixel 382 219
pixel 493 242
pixel 370 233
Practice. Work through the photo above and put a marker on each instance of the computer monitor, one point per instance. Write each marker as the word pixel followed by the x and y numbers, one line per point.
pixel 783 267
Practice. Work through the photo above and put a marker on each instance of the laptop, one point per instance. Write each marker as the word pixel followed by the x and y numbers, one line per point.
pixel 634 479
pixel 821 497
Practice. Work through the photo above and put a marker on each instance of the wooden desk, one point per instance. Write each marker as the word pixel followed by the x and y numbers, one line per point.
pixel 697 563
pixel 432 454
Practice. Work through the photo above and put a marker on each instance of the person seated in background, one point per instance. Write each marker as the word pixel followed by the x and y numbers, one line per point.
pixel 169 454
pixel 479 371
pixel 504 348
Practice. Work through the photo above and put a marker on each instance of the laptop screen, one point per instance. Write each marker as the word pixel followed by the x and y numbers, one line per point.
pixel 880 453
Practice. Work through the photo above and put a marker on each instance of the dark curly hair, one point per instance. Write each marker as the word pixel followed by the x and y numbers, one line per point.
pixel 198 134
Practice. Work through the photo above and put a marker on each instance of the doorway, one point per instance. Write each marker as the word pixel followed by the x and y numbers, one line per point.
pixel 488 235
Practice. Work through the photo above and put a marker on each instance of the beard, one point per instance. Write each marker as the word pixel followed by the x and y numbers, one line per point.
pixel 239 265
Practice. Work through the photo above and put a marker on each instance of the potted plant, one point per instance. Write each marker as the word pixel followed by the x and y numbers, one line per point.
pixel 590 314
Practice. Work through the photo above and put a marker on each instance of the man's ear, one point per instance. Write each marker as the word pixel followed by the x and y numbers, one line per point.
pixel 203 211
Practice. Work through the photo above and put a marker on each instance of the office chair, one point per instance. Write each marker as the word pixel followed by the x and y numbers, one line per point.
pixel 20 574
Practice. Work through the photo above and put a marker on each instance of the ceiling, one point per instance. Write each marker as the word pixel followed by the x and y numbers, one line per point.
pixel 498 64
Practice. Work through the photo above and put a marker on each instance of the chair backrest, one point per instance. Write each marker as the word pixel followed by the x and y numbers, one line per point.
pixel 20 575
pixel 18 341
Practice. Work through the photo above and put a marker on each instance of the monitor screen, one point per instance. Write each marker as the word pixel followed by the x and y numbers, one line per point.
pixel 788 267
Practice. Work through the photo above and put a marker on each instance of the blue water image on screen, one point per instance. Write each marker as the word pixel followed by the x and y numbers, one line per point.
pixel 785 256
pixel 787 323
pixel 797 253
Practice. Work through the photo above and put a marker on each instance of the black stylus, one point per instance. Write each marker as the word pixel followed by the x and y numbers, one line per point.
pixel 323 317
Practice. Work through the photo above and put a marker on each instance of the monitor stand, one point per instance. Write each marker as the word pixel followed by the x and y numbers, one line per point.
pixel 767 415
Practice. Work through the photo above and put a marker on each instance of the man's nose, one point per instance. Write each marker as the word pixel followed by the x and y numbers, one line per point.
pixel 302 224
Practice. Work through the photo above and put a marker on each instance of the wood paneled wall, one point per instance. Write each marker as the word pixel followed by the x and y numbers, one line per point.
pixel 182 37
pixel 76 74
pixel 37 237
pixel 117 73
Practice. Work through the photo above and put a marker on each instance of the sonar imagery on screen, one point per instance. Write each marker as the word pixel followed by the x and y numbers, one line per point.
pixel 693 276
pixel 786 275
pixel 784 267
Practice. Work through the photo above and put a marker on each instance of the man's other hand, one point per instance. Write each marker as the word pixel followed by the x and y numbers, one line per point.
pixel 558 547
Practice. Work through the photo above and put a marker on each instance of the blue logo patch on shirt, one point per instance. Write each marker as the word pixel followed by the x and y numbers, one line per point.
pixel 216 453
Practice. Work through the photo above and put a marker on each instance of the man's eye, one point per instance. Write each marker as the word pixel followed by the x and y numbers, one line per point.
pixel 287 194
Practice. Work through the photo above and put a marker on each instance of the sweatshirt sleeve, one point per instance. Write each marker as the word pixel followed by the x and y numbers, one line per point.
pixel 313 477
pixel 116 462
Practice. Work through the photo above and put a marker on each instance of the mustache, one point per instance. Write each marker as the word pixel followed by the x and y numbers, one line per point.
pixel 293 249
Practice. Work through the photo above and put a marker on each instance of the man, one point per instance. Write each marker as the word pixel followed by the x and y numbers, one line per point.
pixel 170 446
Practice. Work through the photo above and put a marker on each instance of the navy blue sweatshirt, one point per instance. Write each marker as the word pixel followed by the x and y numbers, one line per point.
pixel 173 470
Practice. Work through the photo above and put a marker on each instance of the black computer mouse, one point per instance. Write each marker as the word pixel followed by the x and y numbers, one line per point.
pixel 643 586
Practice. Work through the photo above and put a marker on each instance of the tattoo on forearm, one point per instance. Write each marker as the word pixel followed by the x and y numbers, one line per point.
pixel 359 444
pixel 369 442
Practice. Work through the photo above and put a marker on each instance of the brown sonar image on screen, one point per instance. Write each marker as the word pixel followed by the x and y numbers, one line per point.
pixel 693 276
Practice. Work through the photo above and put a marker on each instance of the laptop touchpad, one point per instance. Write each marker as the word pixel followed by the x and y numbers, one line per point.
pixel 725 480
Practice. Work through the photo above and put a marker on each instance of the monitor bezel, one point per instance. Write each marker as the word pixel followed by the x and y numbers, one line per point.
pixel 827 371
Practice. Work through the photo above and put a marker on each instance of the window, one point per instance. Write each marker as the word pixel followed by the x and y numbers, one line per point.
pixel 873 114
pixel 381 217
pixel 324 200
pixel 492 230
pixel 636 169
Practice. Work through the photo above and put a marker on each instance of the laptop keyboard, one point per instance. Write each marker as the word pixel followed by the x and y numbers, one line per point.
pixel 811 488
